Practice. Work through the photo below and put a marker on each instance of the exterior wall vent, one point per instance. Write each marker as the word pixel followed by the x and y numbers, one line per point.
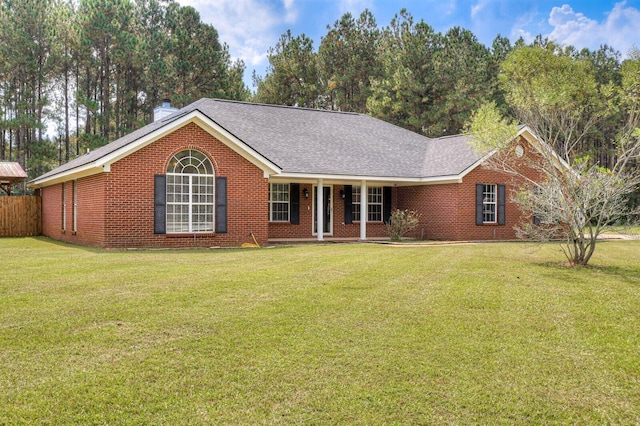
pixel 162 111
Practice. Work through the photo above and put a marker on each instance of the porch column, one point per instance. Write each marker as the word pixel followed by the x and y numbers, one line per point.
pixel 364 214
pixel 320 210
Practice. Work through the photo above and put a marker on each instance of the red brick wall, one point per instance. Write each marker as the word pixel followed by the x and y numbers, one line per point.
pixel 52 211
pixel 90 212
pixel 449 211
pixel 116 209
pixel 513 216
pixel 130 185
pixel 438 208
pixel 340 229
pixel 468 230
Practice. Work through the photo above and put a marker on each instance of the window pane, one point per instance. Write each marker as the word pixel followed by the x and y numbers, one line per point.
pixel 279 202
pixel 375 195
pixel 190 193
pixel 355 200
pixel 374 203
pixel 489 198
pixel 190 162
pixel 375 213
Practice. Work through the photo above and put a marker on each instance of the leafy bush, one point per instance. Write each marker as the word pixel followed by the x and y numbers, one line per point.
pixel 401 222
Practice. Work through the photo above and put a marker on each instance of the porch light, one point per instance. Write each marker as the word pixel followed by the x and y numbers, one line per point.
pixel 305 192
pixel 342 193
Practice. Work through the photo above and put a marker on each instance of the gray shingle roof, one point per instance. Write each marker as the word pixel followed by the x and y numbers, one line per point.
pixel 309 141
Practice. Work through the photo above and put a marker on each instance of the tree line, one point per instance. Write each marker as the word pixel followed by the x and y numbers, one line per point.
pixel 93 70
pixel 97 68
pixel 429 82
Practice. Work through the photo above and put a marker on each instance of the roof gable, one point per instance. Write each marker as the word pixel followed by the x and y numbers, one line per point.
pixel 100 160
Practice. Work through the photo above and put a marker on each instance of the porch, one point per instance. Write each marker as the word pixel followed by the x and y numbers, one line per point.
pixel 298 209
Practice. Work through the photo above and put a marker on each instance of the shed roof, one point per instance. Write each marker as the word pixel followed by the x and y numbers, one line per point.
pixel 312 142
pixel 11 172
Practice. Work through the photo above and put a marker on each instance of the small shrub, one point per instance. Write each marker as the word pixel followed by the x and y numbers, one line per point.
pixel 401 222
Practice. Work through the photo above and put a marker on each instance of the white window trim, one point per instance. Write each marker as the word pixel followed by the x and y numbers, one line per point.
pixel 355 191
pixel 201 164
pixel 274 202
pixel 191 204
pixel 494 203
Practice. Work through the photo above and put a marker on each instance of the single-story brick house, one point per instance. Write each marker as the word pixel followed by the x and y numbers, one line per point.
pixel 217 172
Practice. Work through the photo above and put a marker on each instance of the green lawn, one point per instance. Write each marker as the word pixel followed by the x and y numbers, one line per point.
pixel 319 334
pixel 625 230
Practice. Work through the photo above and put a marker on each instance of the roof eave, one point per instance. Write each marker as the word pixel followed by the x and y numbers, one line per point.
pixel 103 164
pixel 526 133
pixel 76 173
pixel 383 180
pixel 541 145
pixel 211 127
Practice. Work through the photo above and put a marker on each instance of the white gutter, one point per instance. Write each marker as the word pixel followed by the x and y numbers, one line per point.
pixel 103 164
pixel 213 129
pixel 392 181
pixel 75 173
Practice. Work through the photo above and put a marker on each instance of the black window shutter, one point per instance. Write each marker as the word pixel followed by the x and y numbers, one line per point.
pixel 221 205
pixel 160 204
pixel 479 193
pixel 348 204
pixel 501 204
pixel 294 198
pixel 386 204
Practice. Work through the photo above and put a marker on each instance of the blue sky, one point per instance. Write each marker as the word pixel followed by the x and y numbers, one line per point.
pixel 250 27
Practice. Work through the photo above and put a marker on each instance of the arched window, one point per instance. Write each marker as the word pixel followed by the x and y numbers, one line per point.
pixel 190 193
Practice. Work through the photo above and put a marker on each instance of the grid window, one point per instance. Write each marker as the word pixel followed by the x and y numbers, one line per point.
pixel 374 201
pixel 190 193
pixel 375 204
pixel 355 200
pixel 279 202
pixel 489 203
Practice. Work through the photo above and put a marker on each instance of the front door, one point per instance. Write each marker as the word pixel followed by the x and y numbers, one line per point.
pixel 327 210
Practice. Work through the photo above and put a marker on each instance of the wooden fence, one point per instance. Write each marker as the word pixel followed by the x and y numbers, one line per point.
pixel 20 216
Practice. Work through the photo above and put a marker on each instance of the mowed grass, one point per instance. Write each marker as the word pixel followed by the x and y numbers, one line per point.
pixel 319 334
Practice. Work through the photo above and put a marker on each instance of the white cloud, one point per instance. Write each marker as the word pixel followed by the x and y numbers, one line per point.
pixel 619 30
pixel 522 22
pixel 446 7
pixel 477 8
pixel 488 18
pixel 526 35
pixel 573 28
pixel 355 7
pixel 249 27
pixel 291 11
